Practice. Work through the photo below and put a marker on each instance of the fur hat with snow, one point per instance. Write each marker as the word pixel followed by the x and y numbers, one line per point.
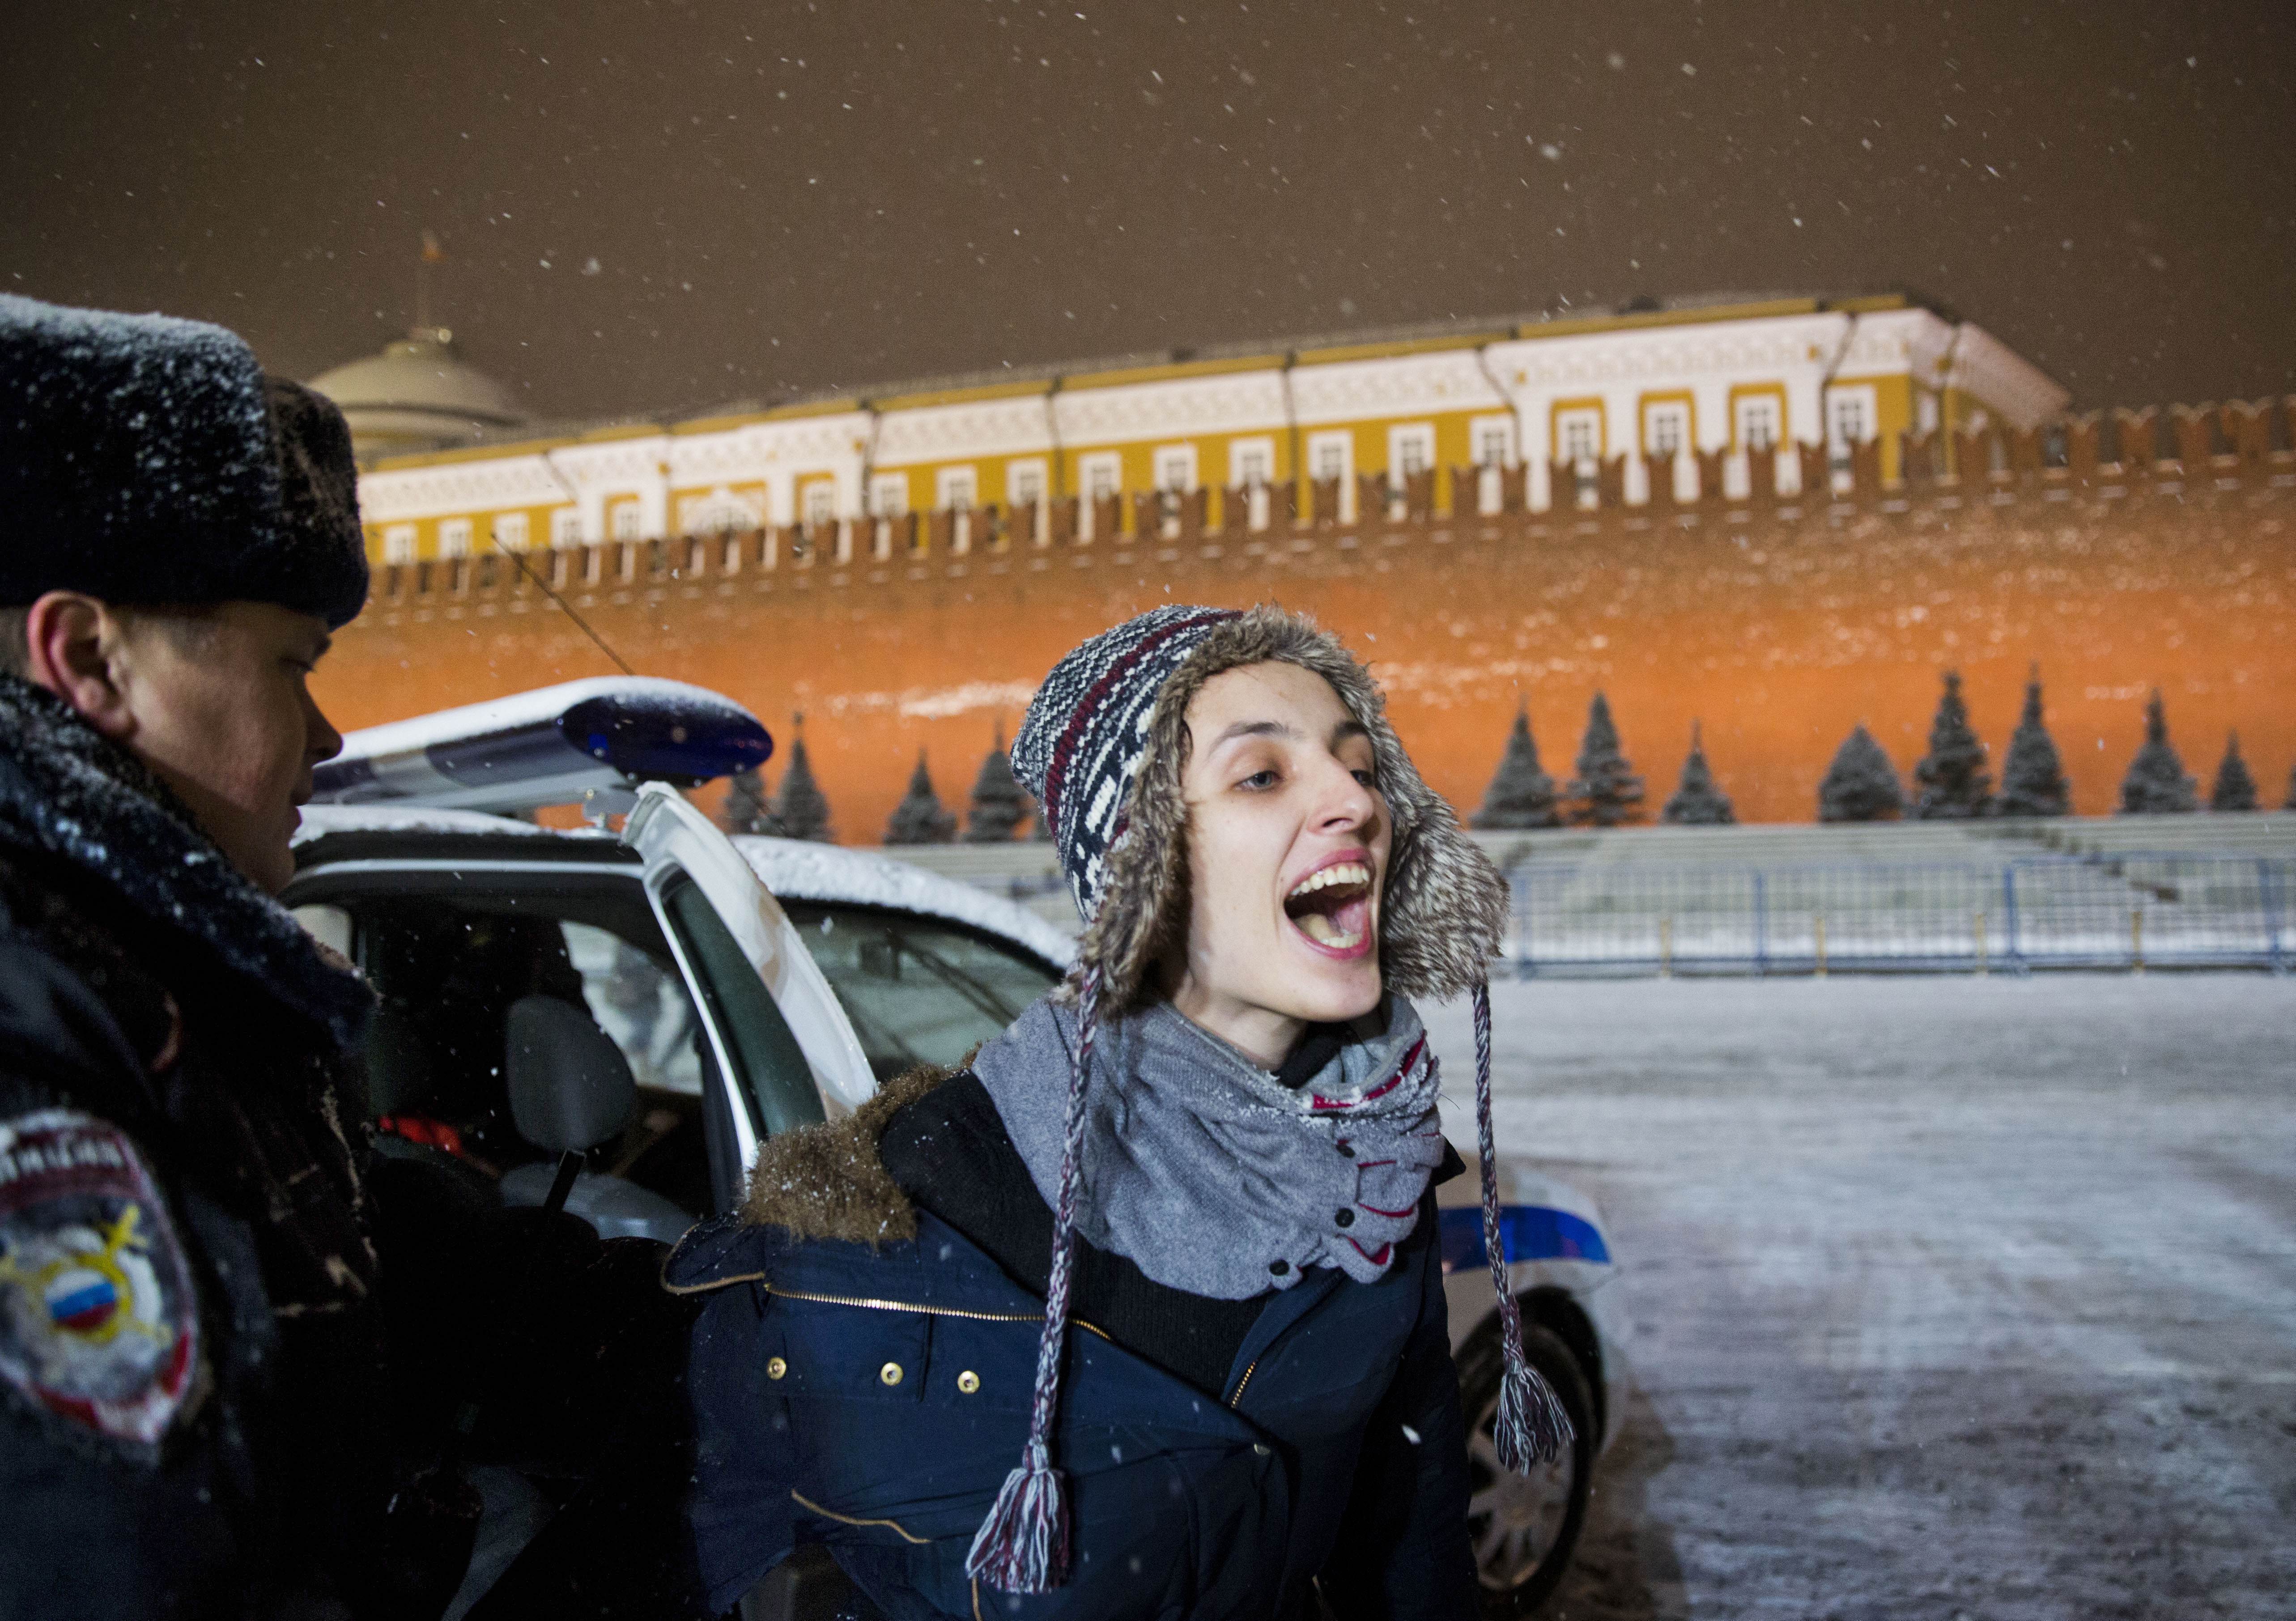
pixel 148 460
pixel 1103 748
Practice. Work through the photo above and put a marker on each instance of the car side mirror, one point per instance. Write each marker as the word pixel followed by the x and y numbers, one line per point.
pixel 570 1088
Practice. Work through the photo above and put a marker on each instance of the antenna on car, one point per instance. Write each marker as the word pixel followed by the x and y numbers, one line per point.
pixel 563 606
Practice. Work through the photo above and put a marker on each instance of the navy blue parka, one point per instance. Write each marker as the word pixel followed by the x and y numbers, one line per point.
pixel 872 1397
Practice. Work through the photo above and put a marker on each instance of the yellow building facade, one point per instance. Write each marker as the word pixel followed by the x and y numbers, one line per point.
pixel 1530 415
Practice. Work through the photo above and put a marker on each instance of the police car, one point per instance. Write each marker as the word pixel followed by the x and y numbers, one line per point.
pixel 610 1020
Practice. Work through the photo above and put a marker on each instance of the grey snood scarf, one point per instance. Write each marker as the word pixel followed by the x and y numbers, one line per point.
pixel 1202 1169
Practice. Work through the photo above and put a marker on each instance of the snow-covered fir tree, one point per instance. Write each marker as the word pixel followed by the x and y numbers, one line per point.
pixel 1605 791
pixel 1861 785
pixel 2236 789
pixel 1521 794
pixel 2156 784
pixel 1955 784
pixel 801 809
pixel 919 818
pixel 1698 801
pixel 747 809
pixel 2032 777
pixel 999 803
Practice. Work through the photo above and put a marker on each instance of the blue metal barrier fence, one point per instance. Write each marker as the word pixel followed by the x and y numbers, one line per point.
pixel 2130 911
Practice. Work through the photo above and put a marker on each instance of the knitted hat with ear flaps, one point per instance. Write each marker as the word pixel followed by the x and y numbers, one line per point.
pixel 1103 746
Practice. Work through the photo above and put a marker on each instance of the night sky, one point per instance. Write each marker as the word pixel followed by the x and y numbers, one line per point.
pixel 656 208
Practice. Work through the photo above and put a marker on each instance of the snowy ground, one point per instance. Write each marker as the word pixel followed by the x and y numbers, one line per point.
pixel 1949 1296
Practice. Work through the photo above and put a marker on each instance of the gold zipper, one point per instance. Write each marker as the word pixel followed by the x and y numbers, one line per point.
pixel 894 1525
pixel 930 1311
pixel 1250 1368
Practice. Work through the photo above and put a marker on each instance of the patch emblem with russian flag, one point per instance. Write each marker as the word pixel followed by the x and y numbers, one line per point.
pixel 98 1322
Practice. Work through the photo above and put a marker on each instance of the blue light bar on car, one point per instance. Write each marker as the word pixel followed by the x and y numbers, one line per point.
pixel 547 746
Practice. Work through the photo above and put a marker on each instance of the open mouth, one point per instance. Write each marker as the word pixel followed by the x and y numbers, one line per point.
pixel 1331 906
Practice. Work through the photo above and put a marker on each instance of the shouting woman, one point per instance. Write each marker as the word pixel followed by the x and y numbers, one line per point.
pixel 1171 1240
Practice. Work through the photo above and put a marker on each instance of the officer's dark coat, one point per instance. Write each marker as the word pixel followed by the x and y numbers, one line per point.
pixel 188 1334
pixel 872 1397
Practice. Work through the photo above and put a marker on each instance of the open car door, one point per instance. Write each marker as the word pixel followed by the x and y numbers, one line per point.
pixel 779 1034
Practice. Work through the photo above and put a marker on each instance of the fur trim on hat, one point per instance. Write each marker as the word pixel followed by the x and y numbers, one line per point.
pixel 145 460
pixel 1444 910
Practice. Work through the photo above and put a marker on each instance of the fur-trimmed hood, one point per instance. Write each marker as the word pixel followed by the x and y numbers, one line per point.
pixel 1444 907
pixel 829 1181
pixel 69 793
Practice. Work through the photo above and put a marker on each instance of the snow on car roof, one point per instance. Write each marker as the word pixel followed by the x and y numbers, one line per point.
pixel 797 870
pixel 321 820
pixel 793 870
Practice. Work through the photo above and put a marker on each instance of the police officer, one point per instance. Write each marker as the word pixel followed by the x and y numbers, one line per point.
pixel 192 1404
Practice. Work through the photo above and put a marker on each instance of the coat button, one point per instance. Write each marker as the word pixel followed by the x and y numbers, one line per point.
pixel 1260 1449
pixel 891 1373
pixel 1346 1219
pixel 776 1367
pixel 1279 1268
pixel 969 1382
pixel 1349 1149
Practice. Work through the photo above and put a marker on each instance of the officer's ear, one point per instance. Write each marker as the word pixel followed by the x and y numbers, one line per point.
pixel 77 646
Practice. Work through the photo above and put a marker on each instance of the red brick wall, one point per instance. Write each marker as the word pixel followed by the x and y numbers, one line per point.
pixel 1779 625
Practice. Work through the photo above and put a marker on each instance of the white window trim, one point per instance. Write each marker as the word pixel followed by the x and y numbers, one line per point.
pixel 1657 411
pixel 949 481
pixel 817 500
pixel 625 521
pixel 1344 443
pixel 889 495
pixel 1166 458
pixel 510 531
pixel 1238 450
pixel 1479 428
pixel 566 527
pixel 1421 434
pixel 454 538
pixel 399 542
pixel 1016 473
pixel 1089 468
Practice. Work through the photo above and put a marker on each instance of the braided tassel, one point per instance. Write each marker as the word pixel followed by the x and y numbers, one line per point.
pixel 1532 1425
pixel 1023 1544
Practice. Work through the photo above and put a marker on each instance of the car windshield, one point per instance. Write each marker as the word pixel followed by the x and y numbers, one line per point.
pixel 918 990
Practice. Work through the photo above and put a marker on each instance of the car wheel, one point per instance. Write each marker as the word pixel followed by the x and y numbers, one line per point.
pixel 1523 1527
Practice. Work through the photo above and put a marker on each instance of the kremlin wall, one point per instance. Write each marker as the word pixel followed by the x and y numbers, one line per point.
pixel 1778 573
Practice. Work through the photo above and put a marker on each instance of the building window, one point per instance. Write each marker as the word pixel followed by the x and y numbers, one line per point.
pixel 398 544
pixel 509 531
pixel 1758 423
pixel 1250 462
pixel 1410 452
pixel 1329 455
pixel 889 495
pixel 1666 430
pixel 956 488
pixel 1024 483
pixel 1578 434
pixel 1176 468
pixel 1102 474
pixel 820 503
pixel 566 527
pixel 1850 415
pixel 454 538
pixel 625 521
pixel 1493 441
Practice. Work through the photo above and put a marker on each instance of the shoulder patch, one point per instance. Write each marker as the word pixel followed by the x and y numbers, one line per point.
pixel 98 1321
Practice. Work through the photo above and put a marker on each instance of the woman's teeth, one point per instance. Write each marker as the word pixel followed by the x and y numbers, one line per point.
pixel 1323 877
pixel 1321 930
